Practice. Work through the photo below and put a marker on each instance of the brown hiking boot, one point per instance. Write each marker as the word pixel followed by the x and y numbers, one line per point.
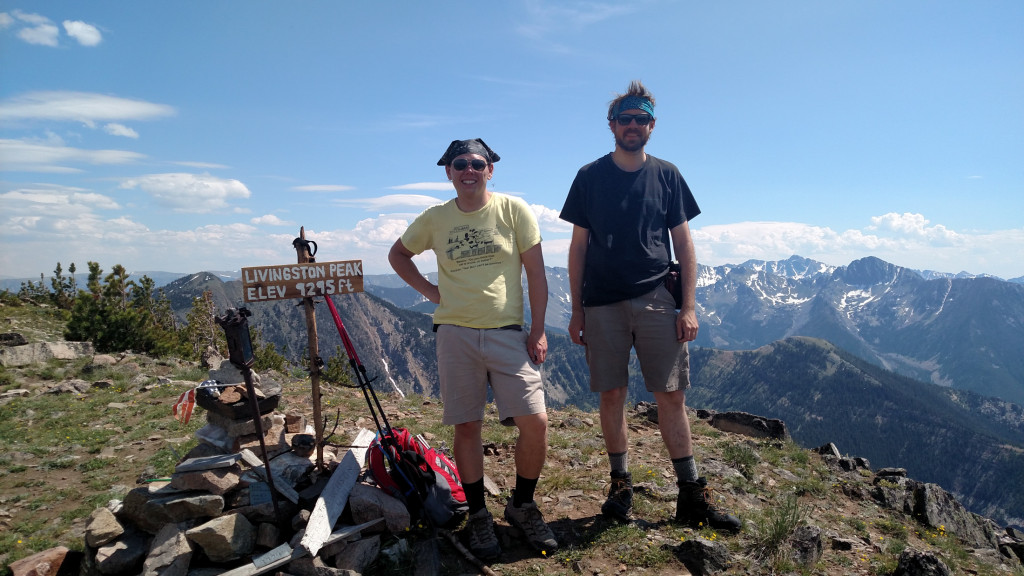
pixel 619 504
pixel 695 507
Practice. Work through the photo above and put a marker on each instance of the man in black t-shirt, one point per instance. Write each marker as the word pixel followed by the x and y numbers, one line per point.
pixel 630 212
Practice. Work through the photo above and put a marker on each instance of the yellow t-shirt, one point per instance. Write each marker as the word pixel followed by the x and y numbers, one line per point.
pixel 480 273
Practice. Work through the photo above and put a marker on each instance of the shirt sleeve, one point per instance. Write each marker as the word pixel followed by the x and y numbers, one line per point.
pixel 418 237
pixel 574 209
pixel 527 229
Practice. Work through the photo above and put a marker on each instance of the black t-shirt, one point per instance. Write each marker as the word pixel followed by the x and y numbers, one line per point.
pixel 629 215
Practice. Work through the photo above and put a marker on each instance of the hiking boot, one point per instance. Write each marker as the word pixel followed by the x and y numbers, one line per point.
pixel 482 541
pixel 529 519
pixel 619 504
pixel 695 507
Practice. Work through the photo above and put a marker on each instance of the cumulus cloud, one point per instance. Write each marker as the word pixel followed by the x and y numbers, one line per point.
pixel 23 155
pixel 908 240
pixel 115 129
pixel 84 107
pixel 6 21
pixel 86 34
pixel 191 193
pixel 270 220
pixel 548 219
pixel 912 225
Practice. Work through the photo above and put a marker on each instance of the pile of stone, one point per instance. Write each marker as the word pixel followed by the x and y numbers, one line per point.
pixel 218 513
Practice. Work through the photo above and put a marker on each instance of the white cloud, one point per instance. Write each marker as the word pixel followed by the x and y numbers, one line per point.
pixel 434 186
pixel 202 165
pixel 548 219
pixel 6 21
pixel 86 34
pixel 39 30
pixel 22 155
pixel 192 193
pixel 903 239
pixel 270 220
pixel 42 35
pixel 913 225
pixel 44 207
pixel 115 129
pixel 33 19
pixel 85 107
pixel 323 188
pixel 390 202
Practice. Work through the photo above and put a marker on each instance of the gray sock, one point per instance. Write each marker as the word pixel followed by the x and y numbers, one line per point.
pixel 619 462
pixel 686 469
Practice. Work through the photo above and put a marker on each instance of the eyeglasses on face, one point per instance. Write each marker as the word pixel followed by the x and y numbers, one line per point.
pixel 641 119
pixel 461 164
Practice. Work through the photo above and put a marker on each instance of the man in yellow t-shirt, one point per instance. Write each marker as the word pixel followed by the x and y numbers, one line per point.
pixel 483 241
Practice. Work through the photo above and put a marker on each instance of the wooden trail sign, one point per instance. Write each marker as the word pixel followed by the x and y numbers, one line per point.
pixel 302 280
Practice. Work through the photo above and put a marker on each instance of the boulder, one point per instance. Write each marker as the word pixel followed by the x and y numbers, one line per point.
pixel 41 352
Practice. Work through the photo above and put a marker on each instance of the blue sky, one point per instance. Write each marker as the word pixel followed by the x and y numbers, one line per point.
pixel 187 136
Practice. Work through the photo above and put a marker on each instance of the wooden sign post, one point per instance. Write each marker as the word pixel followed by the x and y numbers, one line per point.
pixel 305 280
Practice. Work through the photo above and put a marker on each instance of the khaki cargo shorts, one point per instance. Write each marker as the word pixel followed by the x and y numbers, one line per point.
pixel 470 359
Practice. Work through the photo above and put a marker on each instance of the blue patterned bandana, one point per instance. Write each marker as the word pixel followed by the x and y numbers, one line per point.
pixel 634 103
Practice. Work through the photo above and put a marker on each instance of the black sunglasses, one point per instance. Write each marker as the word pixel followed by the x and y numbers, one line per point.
pixel 461 164
pixel 641 119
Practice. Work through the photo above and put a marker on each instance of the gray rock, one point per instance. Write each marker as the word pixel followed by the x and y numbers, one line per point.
pixel 829 449
pixel 122 556
pixel 358 555
pixel 750 425
pixel 41 352
pixel 218 481
pixel 13 339
pixel 915 563
pixel 150 507
pixel 169 554
pixel 224 538
pixel 103 360
pixel 703 557
pixel 807 545
pixel 102 528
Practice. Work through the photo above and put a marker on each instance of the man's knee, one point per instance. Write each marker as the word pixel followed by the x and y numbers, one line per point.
pixel 614 397
pixel 533 425
pixel 469 430
pixel 670 399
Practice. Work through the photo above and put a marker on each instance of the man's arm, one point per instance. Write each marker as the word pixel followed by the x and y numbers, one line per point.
pixel 537 282
pixel 400 258
pixel 577 262
pixel 682 246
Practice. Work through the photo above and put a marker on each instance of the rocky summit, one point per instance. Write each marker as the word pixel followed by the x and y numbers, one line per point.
pixel 98 477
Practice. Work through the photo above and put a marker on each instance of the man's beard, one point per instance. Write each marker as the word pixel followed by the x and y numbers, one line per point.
pixel 634 147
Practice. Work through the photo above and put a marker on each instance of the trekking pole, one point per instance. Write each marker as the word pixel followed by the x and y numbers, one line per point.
pixel 359 369
pixel 388 444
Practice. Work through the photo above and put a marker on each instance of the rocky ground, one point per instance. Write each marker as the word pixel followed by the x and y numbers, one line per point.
pixel 65 451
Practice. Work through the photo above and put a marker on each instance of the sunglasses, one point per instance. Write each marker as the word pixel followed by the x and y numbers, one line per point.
pixel 641 119
pixel 461 164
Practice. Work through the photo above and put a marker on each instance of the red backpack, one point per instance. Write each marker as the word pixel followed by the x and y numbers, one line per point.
pixel 425 479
